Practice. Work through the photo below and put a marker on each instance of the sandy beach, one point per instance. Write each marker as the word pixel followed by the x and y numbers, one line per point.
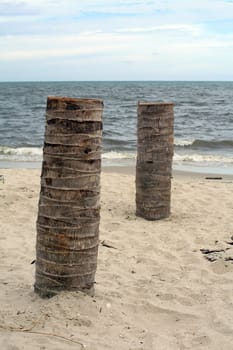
pixel 163 285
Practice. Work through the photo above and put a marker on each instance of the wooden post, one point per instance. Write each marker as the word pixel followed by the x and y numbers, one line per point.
pixel 154 160
pixel 69 205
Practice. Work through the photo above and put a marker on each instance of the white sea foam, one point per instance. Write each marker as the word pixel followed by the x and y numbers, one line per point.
pixel 21 153
pixel 119 155
pixel 34 154
pixel 183 142
pixel 193 158
pixel 202 158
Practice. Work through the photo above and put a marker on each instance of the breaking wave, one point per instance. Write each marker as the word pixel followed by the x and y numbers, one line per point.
pixel 34 154
pixel 21 153
pixel 202 144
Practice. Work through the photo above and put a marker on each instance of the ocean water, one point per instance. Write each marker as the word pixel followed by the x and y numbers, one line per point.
pixel 203 125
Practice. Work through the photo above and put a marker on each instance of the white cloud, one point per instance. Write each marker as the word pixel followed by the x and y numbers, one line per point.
pixel 192 29
pixel 114 34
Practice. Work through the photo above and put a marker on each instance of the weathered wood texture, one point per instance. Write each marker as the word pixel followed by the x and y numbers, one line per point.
pixel 69 205
pixel 154 160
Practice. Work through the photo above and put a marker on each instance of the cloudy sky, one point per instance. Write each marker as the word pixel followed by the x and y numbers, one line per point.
pixel 116 40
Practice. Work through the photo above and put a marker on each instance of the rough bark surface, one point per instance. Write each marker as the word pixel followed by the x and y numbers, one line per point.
pixel 69 204
pixel 154 160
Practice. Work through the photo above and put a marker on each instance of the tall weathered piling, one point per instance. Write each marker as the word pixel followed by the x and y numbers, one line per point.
pixel 69 205
pixel 154 160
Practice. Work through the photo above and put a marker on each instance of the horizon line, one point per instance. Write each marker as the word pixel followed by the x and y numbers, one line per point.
pixel 111 81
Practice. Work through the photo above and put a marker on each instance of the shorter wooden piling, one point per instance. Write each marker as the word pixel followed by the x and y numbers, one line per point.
pixel 154 159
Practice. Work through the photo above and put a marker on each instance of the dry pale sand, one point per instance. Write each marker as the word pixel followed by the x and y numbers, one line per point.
pixel 155 290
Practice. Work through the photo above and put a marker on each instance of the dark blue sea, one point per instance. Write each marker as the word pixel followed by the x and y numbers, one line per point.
pixel 203 120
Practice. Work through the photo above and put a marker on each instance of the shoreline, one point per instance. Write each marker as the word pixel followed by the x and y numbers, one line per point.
pixel 194 172
pixel 129 170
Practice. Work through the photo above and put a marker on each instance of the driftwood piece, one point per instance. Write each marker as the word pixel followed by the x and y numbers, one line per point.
pixel 69 205
pixel 229 258
pixel 213 255
pixel 107 245
pixel 154 160
pixel 211 251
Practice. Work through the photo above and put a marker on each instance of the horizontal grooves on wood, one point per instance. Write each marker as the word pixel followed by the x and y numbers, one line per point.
pixel 69 206
pixel 154 160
